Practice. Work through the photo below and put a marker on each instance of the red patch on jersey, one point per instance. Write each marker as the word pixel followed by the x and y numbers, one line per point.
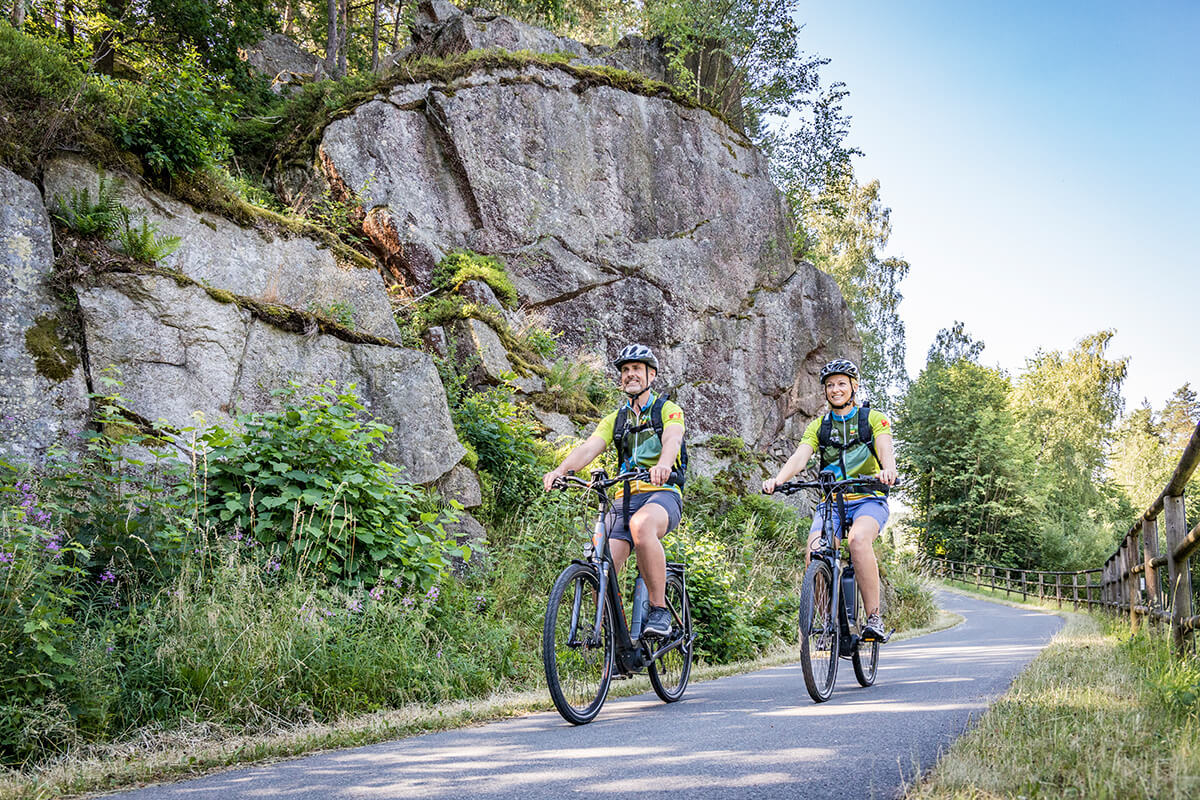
pixel 676 415
pixel 884 424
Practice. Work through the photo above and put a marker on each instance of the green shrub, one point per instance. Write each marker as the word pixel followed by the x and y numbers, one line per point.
pixel 579 387
pixel 305 482
pixel 505 441
pixel 142 241
pixel 37 96
pixel 170 118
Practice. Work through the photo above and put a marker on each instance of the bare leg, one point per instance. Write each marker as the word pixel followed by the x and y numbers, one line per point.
pixel 649 526
pixel 866 570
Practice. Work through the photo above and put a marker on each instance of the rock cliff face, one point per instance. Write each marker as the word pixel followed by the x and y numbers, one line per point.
pixel 620 214
pixel 43 393
pixel 621 217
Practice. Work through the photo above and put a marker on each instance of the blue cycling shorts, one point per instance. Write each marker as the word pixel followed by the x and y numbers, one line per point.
pixel 874 507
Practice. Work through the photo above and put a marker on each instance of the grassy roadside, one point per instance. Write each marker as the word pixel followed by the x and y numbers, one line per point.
pixel 191 753
pixel 1098 714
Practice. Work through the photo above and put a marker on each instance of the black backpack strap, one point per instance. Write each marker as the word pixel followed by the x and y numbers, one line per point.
pixel 865 434
pixel 620 431
pixel 656 421
pixel 824 437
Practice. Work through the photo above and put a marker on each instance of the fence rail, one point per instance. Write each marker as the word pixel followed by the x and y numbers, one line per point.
pixel 1077 588
pixel 1130 581
pixel 1131 574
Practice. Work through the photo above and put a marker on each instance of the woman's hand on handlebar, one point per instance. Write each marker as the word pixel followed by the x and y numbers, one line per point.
pixel 768 486
pixel 888 476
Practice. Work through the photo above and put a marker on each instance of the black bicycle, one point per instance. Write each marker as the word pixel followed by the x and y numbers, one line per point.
pixel 586 642
pixel 832 612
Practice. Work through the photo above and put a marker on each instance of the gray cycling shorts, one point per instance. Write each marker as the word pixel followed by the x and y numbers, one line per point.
pixel 668 499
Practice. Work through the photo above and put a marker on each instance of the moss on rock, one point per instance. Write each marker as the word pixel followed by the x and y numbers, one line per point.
pixel 54 359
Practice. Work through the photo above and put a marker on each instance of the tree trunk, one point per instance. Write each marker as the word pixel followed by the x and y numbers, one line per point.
pixel 18 13
pixel 289 18
pixel 396 27
pixel 344 39
pixel 331 41
pixel 375 37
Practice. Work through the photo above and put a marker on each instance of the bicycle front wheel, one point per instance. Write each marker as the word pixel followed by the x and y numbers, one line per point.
pixel 578 658
pixel 866 654
pixel 818 631
pixel 669 672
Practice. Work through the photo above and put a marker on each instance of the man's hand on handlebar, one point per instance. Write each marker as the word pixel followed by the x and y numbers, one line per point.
pixel 659 474
pixel 888 476
pixel 768 486
pixel 550 477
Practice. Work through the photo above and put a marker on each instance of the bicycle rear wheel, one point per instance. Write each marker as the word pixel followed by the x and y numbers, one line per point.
pixel 669 672
pixel 818 631
pixel 578 665
pixel 866 654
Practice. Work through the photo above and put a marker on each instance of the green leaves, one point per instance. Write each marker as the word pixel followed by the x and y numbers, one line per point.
pixel 306 481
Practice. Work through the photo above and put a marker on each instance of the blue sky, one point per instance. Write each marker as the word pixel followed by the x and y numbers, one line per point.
pixel 1041 163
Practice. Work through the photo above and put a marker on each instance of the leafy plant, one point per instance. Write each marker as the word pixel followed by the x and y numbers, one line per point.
pixel 142 241
pixel 339 311
pixel 577 386
pixel 507 446
pixel 170 118
pixel 101 218
pixel 305 482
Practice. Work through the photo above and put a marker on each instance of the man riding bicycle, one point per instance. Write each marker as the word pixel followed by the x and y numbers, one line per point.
pixel 647 432
pixel 853 441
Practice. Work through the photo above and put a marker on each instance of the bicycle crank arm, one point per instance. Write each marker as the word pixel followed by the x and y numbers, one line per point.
pixel 675 645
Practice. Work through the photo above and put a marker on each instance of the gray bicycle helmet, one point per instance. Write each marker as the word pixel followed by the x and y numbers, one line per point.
pixel 636 352
pixel 839 366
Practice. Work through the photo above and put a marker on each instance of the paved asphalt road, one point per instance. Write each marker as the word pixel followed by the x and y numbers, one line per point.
pixel 748 736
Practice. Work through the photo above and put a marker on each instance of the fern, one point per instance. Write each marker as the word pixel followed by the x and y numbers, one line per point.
pixel 100 218
pixel 142 241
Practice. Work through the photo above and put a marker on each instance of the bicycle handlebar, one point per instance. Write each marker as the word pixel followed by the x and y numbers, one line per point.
pixel 831 486
pixel 600 480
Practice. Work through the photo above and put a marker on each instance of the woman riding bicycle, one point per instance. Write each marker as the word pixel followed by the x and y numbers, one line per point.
pixel 849 453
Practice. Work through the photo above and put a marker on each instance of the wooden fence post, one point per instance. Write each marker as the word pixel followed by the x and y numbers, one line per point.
pixel 1149 553
pixel 1180 573
pixel 1058 588
pixel 1041 584
pixel 1074 591
pixel 1024 586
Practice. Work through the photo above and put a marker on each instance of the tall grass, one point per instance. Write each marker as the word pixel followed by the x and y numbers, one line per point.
pixel 1099 714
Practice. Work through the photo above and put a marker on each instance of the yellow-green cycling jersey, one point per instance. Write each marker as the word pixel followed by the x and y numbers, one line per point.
pixel 646 447
pixel 859 460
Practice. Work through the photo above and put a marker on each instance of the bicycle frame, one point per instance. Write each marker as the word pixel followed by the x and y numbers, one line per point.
pixel 828 549
pixel 845 597
pixel 632 653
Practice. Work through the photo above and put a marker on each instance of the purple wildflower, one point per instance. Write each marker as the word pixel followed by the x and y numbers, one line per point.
pixel 108 576
pixel 408 602
pixel 274 565
pixel 8 558
pixel 354 606
pixel 480 602
pixel 433 594
pixel 377 593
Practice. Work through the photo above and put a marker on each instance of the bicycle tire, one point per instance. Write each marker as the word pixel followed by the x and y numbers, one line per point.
pixel 578 674
pixel 865 657
pixel 669 673
pixel 818 631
